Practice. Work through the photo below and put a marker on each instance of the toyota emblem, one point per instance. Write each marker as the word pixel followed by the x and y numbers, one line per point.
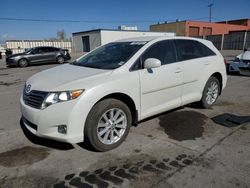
pixel 27 88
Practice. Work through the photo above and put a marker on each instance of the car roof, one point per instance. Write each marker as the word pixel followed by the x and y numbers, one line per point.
pixel 44 47
pixel 152 38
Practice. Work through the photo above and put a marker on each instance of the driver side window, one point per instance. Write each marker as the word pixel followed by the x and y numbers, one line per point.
pixel 164 51
pixel 37 51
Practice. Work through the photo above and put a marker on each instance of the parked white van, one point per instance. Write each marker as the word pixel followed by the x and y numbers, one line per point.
pixel 100 95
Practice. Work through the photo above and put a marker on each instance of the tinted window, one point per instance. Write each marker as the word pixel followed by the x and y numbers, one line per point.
pixel 189 49
pixel 164 51
pixel 53 49
pixel 205 50
pixel 50 49
pixel 136 65
pixel 38 50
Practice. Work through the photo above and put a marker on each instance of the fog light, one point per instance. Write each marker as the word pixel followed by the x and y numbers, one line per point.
pixel 62 129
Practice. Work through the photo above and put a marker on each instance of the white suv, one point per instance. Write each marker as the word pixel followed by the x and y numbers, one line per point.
pixel 100 95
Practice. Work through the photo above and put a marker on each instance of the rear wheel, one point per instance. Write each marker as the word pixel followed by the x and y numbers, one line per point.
pixel 60 60
pixel 210 93
pixel 108 124
pixel 23 63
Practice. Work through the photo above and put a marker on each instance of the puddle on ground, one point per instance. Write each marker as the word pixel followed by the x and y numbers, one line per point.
pixel 18 81
pixel 183 125
pixel 23 156
pixel 137 171
pixel 27 181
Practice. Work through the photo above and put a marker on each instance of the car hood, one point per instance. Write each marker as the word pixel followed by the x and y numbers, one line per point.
pixel 15 55
pixel 244 56
pixel 66 77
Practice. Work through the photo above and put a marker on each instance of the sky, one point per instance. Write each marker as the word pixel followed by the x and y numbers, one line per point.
pixel 107 14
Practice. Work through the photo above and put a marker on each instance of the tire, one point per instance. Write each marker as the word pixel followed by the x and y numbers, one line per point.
pixel 60 59
pixel 97 127
pixel 23 63
pixel 210 93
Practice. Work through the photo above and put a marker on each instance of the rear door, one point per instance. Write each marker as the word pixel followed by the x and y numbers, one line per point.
pixel 191 54
pixel 160 87
pixel 51 53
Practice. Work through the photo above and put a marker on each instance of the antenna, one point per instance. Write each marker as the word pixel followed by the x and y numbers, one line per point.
pixel 210 11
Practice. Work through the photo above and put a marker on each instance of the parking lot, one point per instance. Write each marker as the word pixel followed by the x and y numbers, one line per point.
pixel 186 147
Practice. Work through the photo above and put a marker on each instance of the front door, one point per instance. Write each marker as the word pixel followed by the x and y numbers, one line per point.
pixel 37 55
pixel 161 87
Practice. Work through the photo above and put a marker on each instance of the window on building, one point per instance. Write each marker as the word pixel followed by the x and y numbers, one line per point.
pixel 207 31
pixel 194 31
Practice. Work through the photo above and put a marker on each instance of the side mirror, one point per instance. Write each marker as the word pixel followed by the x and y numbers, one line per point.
pixel 152 63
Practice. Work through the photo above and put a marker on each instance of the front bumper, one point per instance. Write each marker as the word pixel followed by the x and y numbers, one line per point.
pixel 44 123
pixel 10 61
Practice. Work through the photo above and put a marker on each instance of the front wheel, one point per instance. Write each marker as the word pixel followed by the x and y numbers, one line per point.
pixel 23 63
pixel 108 124
pixel 60 60
pixel 210 93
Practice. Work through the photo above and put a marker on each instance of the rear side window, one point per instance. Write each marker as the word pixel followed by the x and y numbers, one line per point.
pixel 164 51
pixel 52 49
pixel 190 49
pixel 205 50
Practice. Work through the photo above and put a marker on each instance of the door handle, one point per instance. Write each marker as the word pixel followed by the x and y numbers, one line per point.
pixel 178 70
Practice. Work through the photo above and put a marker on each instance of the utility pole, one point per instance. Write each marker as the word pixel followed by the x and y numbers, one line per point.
pixel 210 11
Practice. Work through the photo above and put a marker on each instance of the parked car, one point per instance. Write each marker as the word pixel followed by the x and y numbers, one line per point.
pixel 241 64
pixel 100 95
pixel 38 55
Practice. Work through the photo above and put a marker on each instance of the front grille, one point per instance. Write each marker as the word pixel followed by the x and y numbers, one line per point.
pixel 34 98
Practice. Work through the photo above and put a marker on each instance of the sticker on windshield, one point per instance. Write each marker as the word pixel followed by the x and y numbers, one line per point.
pixel 121 63
pixel 138 43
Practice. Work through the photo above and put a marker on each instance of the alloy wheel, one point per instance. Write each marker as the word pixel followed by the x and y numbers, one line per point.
pixel 112 126
pixel 212 92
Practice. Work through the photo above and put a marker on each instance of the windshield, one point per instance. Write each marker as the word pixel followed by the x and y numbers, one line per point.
pixel 110 56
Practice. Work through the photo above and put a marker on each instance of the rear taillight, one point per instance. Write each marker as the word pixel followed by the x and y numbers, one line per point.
pixel 225 62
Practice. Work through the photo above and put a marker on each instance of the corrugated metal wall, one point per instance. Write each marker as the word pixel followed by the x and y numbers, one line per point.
pixel 18 46
pixel 216 39
pixel 232 41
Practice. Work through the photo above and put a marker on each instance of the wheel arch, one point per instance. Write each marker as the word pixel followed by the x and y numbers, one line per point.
pixel 128 101
pixel 219 77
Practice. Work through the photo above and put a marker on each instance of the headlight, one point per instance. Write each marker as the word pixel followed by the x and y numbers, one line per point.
pixel 56 97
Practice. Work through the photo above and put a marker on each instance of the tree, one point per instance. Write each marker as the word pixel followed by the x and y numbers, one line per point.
pixel 61 34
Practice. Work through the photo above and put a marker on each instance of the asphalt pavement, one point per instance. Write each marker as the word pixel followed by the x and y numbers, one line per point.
pixel 187 147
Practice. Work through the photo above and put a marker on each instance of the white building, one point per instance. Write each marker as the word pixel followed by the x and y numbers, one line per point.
pixel 88 40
